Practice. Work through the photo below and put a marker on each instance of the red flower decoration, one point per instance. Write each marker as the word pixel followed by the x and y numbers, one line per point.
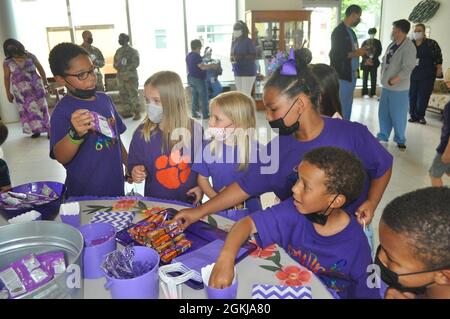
pixel 264 253
pixel 294 276
pixel 124 205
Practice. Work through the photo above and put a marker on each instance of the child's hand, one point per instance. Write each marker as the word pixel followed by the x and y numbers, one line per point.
pixel 139 174
pixel 82 121
pixel 445 158
pixel 10 97
pixel 391 293
pixel 365 212
pixel 197 192
pixel 222 274
pixel 186 217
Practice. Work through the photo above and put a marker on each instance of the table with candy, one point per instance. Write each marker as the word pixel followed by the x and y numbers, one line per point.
pixel 270 266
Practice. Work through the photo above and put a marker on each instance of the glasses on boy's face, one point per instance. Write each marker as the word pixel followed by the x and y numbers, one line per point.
pixel 84 75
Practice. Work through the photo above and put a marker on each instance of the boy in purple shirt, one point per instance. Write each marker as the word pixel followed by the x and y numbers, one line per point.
pixel 312 226
pixel 85 128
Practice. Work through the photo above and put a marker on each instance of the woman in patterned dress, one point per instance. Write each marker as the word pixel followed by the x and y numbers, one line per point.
pixel 26 88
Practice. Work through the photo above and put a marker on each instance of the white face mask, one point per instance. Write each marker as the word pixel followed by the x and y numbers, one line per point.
pixel 372 36
pixel 418 35
pixel 237 33
pixel 220 134
pixel 154 112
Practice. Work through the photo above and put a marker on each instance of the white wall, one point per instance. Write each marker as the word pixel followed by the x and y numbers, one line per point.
pixel 439 24
pixel 7 30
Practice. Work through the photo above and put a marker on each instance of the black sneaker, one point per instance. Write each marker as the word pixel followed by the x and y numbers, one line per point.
pixel 402 147
pixel 36 135
pixel 411 120
pixel 423 121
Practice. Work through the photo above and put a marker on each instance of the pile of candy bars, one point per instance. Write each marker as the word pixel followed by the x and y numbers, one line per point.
pixel 165 236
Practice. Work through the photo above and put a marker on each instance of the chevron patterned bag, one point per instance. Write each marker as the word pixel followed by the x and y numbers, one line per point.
pixel 120 220
pixel 281 292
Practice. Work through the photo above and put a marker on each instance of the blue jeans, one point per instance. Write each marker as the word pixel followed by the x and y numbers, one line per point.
pixel 199 96
pixel 392 113
pixel 346 91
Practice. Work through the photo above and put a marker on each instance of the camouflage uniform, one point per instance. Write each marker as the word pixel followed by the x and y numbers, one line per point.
pixel 99 61
pixel 126 62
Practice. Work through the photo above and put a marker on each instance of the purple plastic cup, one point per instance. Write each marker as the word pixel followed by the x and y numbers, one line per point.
pixel 72 220
pixel 99 241
pixel 225 293
pixel 142 287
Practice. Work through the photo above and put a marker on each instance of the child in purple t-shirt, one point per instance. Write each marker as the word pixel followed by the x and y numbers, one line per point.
pixel 232 148
pixel 85 127
pixel 164 145
pixel 312 226
pixel 414 252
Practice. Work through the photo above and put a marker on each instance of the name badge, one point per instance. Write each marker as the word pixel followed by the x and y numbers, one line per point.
pixel 124 61
pixel 417 62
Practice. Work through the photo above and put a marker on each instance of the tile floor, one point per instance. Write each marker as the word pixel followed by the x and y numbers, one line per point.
pixel 29 160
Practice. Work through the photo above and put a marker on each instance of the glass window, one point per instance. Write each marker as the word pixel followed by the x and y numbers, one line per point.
pixel 40 25
pixel 158 51
pixel 105 28
pixel 161 39
pixel 212 21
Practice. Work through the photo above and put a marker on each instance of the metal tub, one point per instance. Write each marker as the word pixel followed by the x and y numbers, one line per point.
pixel 40 237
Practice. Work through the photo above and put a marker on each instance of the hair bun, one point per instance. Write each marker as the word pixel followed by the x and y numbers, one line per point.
pixel 303 57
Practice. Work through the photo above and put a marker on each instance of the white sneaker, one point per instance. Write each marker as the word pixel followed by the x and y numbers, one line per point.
pixel 374 97
pixel 366 97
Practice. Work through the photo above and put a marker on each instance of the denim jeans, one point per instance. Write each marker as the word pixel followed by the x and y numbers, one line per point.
pixel 199 96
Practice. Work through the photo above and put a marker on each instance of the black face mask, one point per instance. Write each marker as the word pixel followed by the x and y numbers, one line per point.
pixel 321 218
pixel 90 40
pixel 282 128
pixel 82 94
pixel 355 24
pixel 390 278
pixel 122 42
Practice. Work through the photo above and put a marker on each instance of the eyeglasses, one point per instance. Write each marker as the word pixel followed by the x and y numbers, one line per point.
pixel 84 75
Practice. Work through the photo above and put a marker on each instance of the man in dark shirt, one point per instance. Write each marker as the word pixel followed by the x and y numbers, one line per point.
pixel 344 57
pixel 370 63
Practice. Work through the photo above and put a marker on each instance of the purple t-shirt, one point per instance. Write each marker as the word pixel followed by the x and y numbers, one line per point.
pixel 350 136
pixel 244 66
pixel 340 261
pixel 222 172
pixel 193 59
pixel 166 179
pixel 96 170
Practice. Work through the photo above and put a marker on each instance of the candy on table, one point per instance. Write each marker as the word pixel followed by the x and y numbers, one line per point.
pixel 165 236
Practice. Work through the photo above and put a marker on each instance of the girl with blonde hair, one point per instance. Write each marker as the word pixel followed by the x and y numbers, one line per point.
pixel 162 149
pixel 232 148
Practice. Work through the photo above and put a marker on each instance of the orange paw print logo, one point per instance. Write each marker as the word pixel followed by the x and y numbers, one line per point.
pixel 172 171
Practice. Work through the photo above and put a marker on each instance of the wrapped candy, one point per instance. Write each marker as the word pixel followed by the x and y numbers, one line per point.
pixel 120 265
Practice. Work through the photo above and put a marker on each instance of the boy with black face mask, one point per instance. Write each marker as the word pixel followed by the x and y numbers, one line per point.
pixel 85 127
pixel 414 252
pixel 312 226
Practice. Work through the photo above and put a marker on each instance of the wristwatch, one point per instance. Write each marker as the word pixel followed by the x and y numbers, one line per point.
pixel 74 137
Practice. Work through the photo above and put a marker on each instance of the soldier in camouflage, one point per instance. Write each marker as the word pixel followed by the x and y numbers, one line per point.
pixel 126 62
pixel 96 56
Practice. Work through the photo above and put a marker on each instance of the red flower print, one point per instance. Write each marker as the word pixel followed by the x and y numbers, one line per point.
pixel 264 253
pixel 294 276
pixel 124 205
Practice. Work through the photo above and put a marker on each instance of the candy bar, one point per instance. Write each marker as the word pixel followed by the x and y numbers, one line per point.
pixel 103 125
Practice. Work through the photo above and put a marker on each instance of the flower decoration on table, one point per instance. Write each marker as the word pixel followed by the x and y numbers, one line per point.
pixel 263 253
pixel 290 275
pixel 125 205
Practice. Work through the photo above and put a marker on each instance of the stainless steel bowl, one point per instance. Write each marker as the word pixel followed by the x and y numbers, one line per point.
pixel 39 237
